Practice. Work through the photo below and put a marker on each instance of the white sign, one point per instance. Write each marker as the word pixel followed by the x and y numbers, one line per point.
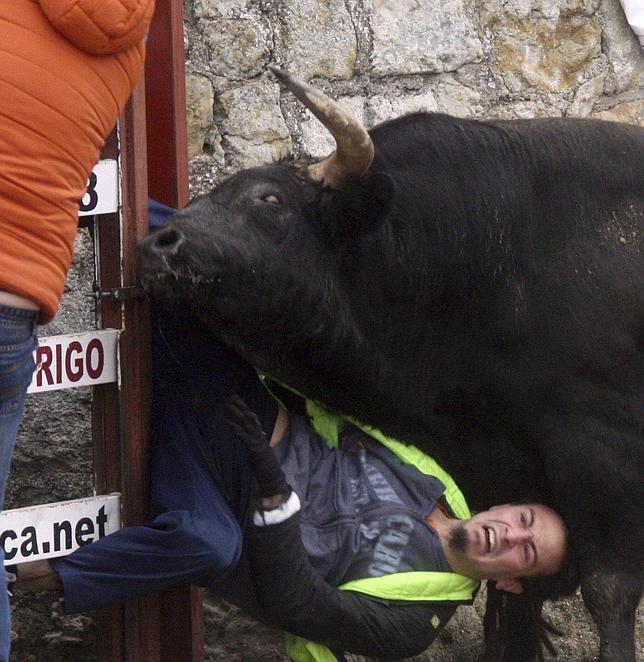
pixel 85 359
pixel 102 195
pixel 56 529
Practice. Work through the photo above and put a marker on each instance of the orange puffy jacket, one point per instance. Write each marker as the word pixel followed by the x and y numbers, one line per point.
pixel 67 68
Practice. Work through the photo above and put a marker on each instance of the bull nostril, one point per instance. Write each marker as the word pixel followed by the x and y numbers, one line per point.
pixel 168 240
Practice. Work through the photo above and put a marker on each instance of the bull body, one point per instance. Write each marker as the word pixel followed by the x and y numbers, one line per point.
pixel 479 293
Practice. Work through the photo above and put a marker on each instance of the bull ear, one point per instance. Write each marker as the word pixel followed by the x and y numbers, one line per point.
pixel 359 208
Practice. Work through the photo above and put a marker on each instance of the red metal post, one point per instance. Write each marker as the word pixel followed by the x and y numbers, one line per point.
pixel 106 431
pixel 167 627
pixel 181 613
pixel 121 416
pixel 166 106
pixel 142 632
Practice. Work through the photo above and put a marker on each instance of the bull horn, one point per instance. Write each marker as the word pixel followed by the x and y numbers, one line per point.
pixel 354 148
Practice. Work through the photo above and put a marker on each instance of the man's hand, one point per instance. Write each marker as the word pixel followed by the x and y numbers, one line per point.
pixel 267 470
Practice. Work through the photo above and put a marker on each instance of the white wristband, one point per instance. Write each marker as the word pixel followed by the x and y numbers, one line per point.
pixel 279 514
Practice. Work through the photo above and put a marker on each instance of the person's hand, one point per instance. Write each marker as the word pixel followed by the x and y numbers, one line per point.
pixel 266 468
pixel 245 424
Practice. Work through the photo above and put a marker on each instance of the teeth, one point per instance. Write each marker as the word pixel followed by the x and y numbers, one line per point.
pixel 491 539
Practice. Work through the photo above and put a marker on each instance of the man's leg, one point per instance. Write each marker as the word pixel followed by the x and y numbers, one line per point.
pixel 194 538
pixel 201 483
pixel 195 373
pixel 135 561
pixel 17 343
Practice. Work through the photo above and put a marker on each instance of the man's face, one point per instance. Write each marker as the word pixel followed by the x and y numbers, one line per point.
pixel 511 541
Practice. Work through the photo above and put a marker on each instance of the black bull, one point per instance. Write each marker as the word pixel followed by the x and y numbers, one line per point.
pixel 476 289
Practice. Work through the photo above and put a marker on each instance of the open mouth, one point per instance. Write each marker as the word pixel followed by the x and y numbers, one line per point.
pixel 490 539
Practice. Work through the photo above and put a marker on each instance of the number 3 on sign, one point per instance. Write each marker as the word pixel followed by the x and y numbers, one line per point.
pixel 102 195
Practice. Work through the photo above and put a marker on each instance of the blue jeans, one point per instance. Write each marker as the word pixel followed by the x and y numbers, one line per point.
pixel 201 485
pixel 17 344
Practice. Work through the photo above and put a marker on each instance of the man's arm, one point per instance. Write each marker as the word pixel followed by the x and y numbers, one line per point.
pixel 291 594
pixel 294 597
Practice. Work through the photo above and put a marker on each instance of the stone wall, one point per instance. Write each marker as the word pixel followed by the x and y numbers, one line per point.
pixel 378 58
pixel 382 58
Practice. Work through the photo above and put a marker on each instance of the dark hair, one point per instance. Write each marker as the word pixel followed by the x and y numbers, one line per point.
pixel 515 628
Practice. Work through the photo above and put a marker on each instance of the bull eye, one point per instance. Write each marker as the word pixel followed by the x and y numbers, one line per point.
pixel 272 199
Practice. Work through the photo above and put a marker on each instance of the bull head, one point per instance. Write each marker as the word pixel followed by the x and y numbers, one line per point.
pixel 354 151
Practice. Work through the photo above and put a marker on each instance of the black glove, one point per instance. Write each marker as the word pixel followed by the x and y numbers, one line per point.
pixel 248 429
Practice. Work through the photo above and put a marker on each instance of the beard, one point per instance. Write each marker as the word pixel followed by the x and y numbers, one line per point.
pixel 458 538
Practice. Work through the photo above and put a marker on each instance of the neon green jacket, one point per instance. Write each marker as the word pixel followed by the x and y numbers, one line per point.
pixel 421 587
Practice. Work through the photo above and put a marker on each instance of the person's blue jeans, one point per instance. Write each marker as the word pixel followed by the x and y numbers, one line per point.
pixel 17 344
pixel 201 481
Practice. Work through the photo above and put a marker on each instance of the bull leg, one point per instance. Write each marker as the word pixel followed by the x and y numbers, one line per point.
pixel 612 599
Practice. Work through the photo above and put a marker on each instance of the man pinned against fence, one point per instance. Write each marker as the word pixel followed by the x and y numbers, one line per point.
pixel 365 548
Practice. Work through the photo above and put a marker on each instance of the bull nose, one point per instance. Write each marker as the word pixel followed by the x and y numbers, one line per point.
pixel 167 241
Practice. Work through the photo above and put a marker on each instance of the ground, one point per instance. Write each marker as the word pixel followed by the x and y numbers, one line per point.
pixel 232 637
pixel 49 636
